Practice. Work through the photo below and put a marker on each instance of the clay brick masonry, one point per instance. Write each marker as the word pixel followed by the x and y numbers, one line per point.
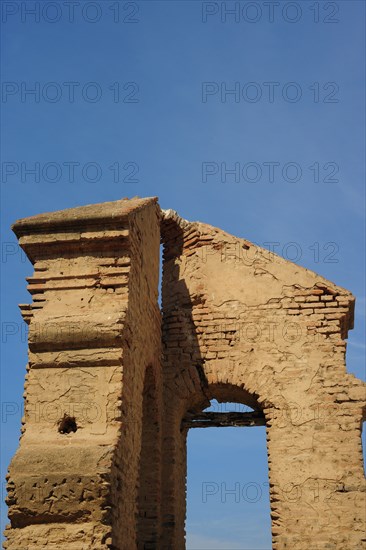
pixel 125 381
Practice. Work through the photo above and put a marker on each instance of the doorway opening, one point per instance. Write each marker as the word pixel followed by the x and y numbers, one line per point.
pixel 228 505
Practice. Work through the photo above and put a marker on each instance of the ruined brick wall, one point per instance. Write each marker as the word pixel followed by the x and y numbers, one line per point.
pixel 239 324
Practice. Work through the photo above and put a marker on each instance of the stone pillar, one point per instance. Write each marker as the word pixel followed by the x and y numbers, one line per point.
pixel 94 328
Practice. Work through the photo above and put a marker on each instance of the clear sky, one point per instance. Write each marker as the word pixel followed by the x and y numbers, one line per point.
pixel 251 120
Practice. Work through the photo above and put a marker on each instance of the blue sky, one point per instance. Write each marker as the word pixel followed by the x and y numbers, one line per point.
pixel 151 114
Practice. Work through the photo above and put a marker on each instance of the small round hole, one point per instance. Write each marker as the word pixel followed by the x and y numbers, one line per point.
pixel 67 424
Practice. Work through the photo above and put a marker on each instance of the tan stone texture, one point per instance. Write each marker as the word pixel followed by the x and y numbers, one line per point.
pixel 110 381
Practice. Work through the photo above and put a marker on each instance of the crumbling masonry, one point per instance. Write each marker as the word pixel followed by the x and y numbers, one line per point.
pixel 113 384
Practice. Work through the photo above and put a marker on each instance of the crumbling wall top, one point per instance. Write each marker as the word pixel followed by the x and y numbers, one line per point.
pixel 105 212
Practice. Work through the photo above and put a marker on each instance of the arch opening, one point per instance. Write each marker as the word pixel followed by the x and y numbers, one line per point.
pixel 228 504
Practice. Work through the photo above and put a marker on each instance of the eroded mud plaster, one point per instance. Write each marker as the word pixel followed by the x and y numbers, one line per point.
pixel 111 381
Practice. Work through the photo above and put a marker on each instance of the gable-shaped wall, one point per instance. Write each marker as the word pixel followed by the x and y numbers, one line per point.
pixel 242 324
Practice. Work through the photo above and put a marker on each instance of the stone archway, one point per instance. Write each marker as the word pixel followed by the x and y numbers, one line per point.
pixel 237 322
pixel 174 536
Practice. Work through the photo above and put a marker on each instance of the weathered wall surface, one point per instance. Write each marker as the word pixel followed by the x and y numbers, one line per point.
pixel 135 478
pixel 94 327
pixel 239 324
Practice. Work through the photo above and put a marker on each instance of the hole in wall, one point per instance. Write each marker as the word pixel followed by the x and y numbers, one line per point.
pixel 228 504
pixel 67 424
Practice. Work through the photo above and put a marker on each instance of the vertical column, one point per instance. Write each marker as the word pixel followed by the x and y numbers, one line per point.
pixel 94 308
